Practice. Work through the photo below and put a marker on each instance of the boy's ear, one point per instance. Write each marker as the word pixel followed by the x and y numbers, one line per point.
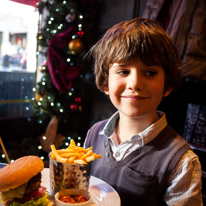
pixel 106 90
pixel 168 92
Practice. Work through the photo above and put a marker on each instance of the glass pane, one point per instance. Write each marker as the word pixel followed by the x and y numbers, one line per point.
pixel 16 110
pixel 18 30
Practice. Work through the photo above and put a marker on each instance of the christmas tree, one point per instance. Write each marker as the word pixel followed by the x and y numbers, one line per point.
pixel 65 37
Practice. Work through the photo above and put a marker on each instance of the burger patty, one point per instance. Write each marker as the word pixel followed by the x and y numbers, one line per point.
pixel 33 184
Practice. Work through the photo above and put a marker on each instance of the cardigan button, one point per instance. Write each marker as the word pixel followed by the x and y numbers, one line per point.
pixel 117 154
pixel 107 154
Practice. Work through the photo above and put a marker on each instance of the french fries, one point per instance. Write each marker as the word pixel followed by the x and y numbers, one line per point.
pixel 73 154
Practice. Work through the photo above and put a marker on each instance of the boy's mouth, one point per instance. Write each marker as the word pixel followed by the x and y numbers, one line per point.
pixel 134 97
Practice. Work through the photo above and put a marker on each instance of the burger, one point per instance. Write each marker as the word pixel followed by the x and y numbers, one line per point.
pixel 20 183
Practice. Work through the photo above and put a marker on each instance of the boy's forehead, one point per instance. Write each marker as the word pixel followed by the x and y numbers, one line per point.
pixel 122 62
pixel 149 62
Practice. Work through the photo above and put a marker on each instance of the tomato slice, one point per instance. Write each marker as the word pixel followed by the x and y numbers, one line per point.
pixel 31 195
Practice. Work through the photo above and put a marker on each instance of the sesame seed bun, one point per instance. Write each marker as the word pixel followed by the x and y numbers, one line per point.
pixel 19 172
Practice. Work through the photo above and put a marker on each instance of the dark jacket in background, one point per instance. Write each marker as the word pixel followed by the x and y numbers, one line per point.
pixel 186 24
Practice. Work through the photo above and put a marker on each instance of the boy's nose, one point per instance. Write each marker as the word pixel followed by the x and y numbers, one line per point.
pixel 135 83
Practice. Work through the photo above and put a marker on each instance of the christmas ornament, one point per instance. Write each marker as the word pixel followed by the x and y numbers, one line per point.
pixel 80 33
pixel 70 17
pixel 74 108
pixel 38 96
pixel 66 75
pixel 76 46
pixel 78 100
pixel 43 69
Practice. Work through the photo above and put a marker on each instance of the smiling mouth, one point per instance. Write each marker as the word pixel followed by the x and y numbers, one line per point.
pixel 134 97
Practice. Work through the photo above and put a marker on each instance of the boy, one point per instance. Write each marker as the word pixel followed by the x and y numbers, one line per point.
pixel 136 64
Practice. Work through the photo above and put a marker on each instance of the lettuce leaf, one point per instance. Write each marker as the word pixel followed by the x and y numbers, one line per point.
pixel 43 201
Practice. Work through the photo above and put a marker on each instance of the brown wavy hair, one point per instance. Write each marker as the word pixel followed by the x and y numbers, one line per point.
pixel 135 38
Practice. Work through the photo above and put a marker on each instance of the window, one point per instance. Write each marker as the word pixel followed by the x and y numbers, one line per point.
pixel 18 29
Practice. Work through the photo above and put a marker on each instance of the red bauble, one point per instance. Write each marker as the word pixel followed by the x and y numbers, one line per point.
pixel 74 108
pixel 78 100
pixel 45 63
pixel 80 33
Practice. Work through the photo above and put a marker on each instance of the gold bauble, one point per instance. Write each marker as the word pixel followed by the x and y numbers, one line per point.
pixel 76 46
pixel 43 69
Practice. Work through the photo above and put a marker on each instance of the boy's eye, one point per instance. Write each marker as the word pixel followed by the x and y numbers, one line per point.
pixel 123 72
pixel 150 73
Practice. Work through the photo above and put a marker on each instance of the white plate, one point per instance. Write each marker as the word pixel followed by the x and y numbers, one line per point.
pixel 103 194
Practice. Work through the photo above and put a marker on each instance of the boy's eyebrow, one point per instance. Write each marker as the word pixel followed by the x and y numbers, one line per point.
pixel 120 63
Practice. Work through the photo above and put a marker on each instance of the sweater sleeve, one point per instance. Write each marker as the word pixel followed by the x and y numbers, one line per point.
pixel 185 182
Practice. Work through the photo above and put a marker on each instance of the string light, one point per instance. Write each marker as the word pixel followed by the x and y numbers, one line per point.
pixel 52 104
pixel 44 137
pixel 39 147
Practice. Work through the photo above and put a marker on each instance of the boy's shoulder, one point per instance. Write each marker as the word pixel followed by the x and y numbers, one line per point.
pixel 171 137
pixel 99 125
pixel 94 135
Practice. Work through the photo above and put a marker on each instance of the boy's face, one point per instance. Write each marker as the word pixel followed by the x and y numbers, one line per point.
pixel 136 89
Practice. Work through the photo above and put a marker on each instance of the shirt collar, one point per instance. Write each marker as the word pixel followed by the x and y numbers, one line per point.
pixel 109 128
pixel 147 135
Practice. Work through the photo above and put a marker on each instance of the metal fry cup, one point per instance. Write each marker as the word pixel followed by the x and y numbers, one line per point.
pixel 68 176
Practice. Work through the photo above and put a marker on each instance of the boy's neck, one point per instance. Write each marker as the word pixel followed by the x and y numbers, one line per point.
pixel 128 127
